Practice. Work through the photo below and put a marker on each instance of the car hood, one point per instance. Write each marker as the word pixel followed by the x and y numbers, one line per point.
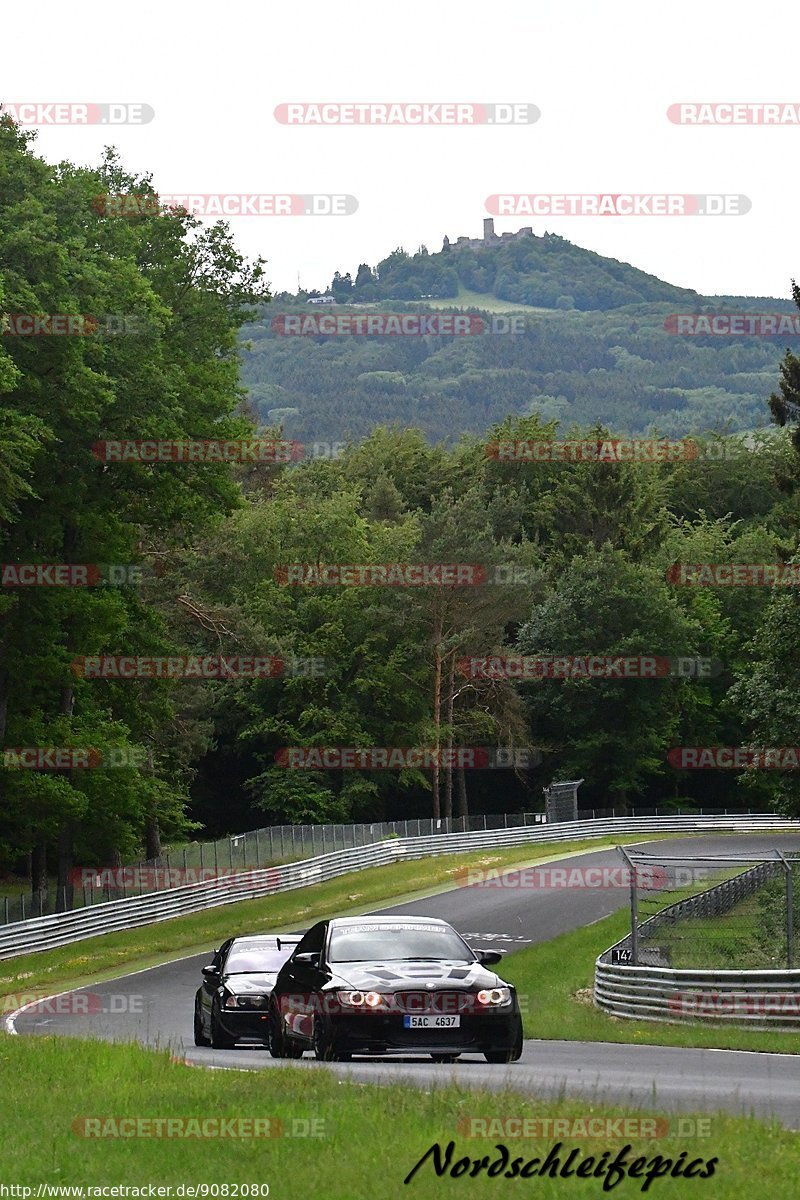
pixel 401 976
pixel 259 981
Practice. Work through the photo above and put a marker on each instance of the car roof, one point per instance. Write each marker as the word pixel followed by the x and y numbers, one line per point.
pixel 279 939
pixel 336 922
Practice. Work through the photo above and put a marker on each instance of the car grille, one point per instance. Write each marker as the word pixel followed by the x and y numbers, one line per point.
pixel 441 1002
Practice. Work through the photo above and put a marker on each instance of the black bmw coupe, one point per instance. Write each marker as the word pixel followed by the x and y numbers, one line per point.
pixel 392 985
pixel 232 1004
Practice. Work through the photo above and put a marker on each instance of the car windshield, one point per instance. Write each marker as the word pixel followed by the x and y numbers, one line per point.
pixel 255 958
pixel 392 943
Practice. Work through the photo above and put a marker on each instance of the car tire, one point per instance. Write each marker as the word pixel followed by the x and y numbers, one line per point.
pixel 279 1045
pixel 512 1054
pixel 445 1058
pixel 323 1046
pixel 200 1038
pixel 219 1038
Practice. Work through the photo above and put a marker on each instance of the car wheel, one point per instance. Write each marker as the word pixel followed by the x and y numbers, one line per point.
pixel 280 1046
pixel 323 1046
pixel 219 1038
pixel 512 1054
pixel 445 1058
pixel 200 1038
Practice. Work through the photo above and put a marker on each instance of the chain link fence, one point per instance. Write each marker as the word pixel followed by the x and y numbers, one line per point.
pixel 732 913
pixel 197 861
pixel 272 846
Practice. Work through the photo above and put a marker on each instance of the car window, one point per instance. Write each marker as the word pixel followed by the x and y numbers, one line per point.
pixel 366 943
pixel 255 958
pixel 313 941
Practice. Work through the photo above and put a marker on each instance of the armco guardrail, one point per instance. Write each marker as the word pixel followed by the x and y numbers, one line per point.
pixel 662 994
pixel 657 993
pixel 45 933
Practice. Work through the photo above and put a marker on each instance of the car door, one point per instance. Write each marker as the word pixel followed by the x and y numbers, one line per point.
pixel 210 986
pixel 299 984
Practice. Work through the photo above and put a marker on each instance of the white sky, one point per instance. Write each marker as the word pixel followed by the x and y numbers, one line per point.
pixel 602 76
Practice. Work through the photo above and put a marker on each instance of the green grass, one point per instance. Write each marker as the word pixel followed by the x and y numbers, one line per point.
pixel 555 980
pixel 734 940
pixel 95 959
pixel 371 1139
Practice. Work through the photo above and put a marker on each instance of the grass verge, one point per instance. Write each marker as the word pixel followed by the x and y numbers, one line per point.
pixel 371 1137
pixel 555 978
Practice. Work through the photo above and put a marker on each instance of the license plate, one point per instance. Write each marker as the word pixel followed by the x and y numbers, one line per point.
pixel 431 1022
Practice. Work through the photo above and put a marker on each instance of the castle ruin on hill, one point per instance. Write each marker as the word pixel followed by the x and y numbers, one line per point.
pixel 490 238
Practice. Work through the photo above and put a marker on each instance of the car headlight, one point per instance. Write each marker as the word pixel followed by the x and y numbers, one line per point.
pixel 362 999
pixel 230 1002
pixel 494 997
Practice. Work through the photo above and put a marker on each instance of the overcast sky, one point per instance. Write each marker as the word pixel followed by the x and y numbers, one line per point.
pixel 603 77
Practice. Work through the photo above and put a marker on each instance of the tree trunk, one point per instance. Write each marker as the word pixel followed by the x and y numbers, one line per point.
pixel 64 889
pixel 437 712
pixel 38 858
pixel 448 779
pixel 152 837
pixel 463 809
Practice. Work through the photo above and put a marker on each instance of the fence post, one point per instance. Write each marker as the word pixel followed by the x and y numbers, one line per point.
pixel 271 850
pixel 201 856
pixel 258 848
pixel 634 910
pixel 789 911
pixel 5 907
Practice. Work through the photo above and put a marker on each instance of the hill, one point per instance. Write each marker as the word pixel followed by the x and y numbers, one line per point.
pixel 593 343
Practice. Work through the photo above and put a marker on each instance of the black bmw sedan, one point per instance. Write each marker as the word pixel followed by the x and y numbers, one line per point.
pixel 392 985
pixel 232 1004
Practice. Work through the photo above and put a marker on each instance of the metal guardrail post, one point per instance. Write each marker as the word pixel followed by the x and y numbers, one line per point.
pixel 634 909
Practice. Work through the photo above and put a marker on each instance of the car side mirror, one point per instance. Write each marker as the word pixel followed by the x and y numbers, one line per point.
pixel 307 959
pixel 210 972
pixel 488 958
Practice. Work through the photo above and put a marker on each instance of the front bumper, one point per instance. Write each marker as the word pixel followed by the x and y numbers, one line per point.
pixel 379 1033
pixel 245 1023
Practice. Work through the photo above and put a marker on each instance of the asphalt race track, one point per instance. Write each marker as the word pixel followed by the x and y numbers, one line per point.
pixel 154 1007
